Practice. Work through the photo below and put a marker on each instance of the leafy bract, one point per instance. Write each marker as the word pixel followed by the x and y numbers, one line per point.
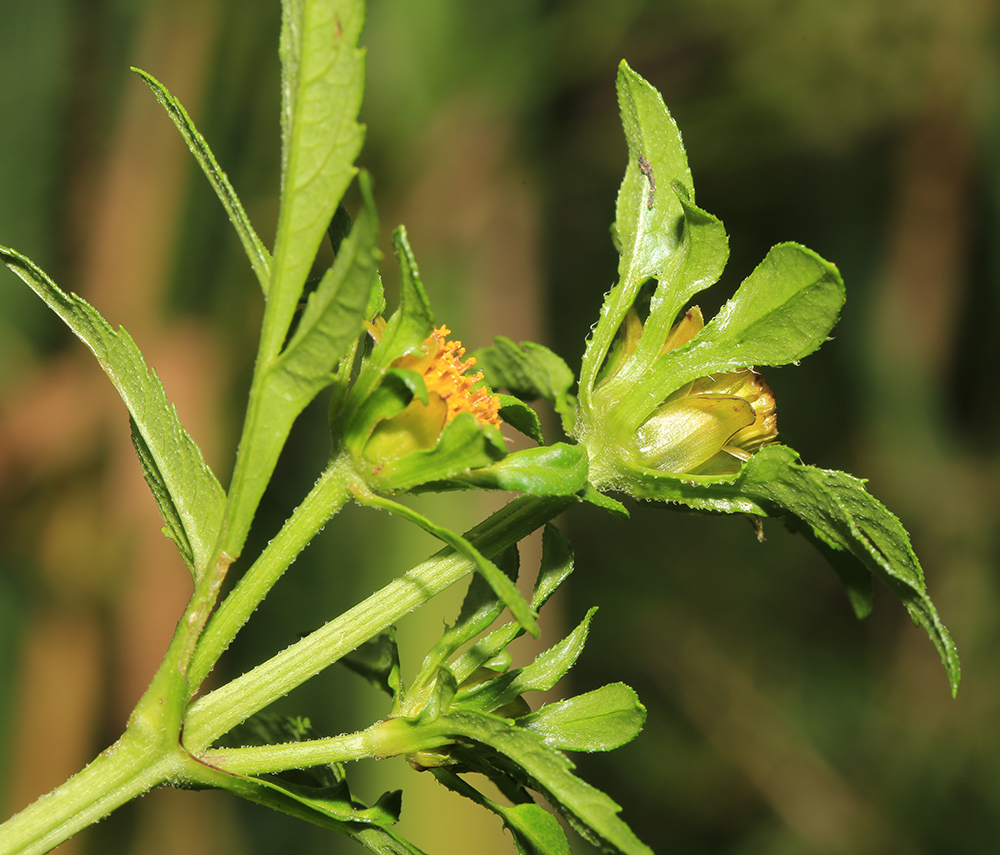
pixel 529 371
pixel 187 493
pixel 601 720
pixel 259 257
pixel 592 813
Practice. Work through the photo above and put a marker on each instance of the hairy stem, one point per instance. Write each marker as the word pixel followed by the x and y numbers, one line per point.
pixel 218 712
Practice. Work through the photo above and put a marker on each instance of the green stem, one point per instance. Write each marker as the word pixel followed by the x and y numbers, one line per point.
pixel 218 712
pixel 330 493
pixel 120 773
pixel 262 759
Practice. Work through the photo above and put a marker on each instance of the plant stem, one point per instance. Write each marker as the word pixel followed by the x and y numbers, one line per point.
pixel 329 494
pixel 262 759
pixel 218 712
pixel 120 773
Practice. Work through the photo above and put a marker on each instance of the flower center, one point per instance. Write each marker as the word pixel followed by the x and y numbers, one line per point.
pixel 443 369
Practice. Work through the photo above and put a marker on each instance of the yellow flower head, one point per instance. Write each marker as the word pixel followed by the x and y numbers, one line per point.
pixel 450 391
pixel 440 363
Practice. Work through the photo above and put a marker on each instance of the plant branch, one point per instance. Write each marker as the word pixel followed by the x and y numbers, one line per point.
pixel 218 712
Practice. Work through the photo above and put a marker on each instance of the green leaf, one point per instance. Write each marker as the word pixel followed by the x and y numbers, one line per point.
pixel 413 321
pixel 501 584
pixel 782 312
pixel 540 676
pixel 328 809
pixel 557 564
pixel 322 87
pixel 334 316
pixel 649 215
pixel 259 257
pixel 529 371
pixel 591 812
pixel 844 516
pixel 601 720
pixel 521 417
pixel 535 830
pixel 648 211
pixel 187 493
pixel 698 264
pixel 464 445
pixel 377 660
pixel 550 470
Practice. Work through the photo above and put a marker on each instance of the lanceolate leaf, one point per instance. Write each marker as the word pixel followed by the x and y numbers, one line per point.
pixel 329 810
pixel 322 86
pixel 842 514
pixel 601 720
pixel 188 494
pixel 259 257
pixel 334 315
pixel 548 771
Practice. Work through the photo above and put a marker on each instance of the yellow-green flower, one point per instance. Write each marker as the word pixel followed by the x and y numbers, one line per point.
pixel 709 426
pixel 451 390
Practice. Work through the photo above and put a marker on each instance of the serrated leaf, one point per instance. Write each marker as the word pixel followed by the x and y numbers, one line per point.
pixel 601 720
pixel 260 258
pixel 335 313
pixel 187 493
pixel 847 518
pixel 322 87
pixel 540 676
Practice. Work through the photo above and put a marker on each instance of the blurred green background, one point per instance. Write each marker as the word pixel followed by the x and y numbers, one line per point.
pixel 868 130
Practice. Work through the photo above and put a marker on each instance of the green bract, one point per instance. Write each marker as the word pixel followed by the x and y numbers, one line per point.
pixel 663 399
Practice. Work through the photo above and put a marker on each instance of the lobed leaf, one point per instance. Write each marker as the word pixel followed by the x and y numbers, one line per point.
pixel 187 493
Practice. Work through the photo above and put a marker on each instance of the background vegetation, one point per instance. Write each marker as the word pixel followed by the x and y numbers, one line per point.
pixel 870 131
